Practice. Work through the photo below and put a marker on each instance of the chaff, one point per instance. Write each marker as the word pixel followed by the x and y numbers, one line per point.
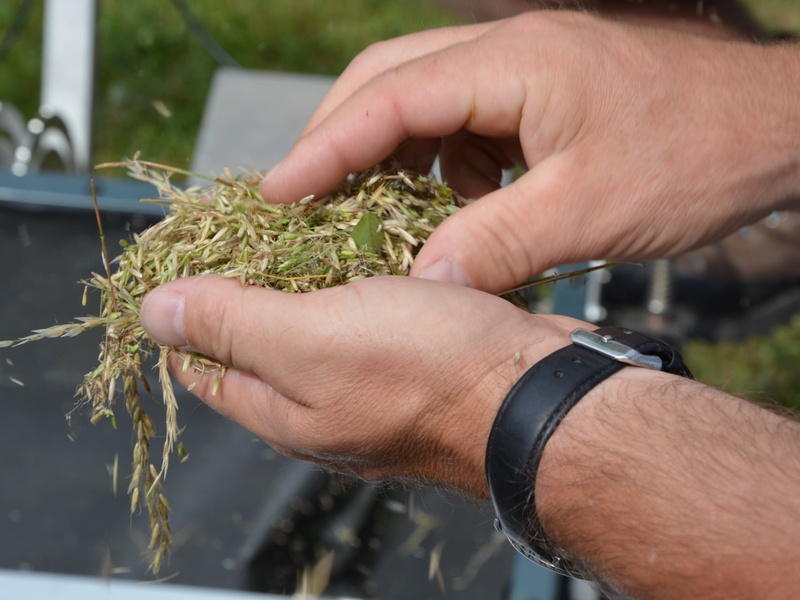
pixel 373 225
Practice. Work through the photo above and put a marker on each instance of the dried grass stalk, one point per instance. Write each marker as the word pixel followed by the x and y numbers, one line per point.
pixel 373 225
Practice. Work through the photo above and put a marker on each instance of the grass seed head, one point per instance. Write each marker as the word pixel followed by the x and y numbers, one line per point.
pixel 373 225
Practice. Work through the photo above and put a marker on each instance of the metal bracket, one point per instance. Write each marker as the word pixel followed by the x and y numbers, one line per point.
pixel 68 55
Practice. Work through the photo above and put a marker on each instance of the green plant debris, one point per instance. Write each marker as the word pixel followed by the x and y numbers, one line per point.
pixel 368 233
pixel 373 225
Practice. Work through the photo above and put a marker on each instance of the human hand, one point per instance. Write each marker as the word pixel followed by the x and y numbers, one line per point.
pixel 390 377
pixel 639 143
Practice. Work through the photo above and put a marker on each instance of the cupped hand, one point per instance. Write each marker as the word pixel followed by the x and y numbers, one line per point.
pixel 390 377
pixel 639 142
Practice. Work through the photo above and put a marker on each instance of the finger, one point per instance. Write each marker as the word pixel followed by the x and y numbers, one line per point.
pixel 271 354
pixel 473 165
pixel 417 155
pixel 240 326
pixel 507 236
pixel 246 399
pixel 385 55
pixel 288 340
pixel 431 97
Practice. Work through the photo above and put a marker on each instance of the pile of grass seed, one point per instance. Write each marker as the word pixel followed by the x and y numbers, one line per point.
pixel 373 225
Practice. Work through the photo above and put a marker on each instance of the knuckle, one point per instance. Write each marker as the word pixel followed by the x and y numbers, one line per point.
pixel 371 58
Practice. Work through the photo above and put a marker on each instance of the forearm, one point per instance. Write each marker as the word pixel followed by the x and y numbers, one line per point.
pixel 739 122
pixel 667 488
pixel 768 117
pixel 787 66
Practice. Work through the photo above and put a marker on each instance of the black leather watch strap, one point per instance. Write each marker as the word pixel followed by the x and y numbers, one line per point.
pixel 531 412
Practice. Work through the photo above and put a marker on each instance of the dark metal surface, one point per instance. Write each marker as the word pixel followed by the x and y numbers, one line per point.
pixel 62 191
pixel 238 515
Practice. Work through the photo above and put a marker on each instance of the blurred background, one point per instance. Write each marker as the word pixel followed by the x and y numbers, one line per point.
pixel 154 69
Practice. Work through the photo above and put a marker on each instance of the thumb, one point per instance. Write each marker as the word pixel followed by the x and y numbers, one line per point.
pixel 217 317
pixel 507 236
pixel 245 329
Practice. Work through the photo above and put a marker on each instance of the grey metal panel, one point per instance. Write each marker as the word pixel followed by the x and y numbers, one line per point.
pixel 68 69
pixel 252 118
pixel 48 190
pixel 20 585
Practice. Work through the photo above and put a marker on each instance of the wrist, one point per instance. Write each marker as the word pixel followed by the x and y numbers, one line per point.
pixel 588 425
pixel 770 117
pixel 785 61
pixel 488 370
pixel 738 124
pixel 578 483
pixel 534 409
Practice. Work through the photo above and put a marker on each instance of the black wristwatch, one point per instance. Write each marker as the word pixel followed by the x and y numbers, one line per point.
pixel 533 409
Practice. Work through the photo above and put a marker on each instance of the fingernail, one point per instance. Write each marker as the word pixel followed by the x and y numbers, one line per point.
pixel 447 270
pixel 162 317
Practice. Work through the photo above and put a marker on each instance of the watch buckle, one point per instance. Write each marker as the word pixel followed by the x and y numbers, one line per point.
pixel 608 346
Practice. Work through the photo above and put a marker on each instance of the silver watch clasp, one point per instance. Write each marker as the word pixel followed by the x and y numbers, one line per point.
pixel 608 346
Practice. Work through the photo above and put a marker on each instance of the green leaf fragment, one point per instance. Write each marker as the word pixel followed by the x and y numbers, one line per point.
pixel 368 233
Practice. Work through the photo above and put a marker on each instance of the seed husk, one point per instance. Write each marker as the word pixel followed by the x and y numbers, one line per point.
pixel 373 225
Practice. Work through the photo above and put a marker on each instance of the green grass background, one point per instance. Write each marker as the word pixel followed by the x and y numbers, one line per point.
pixel 146 56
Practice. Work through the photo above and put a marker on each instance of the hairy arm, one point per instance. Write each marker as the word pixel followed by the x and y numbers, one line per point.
pixel 666 488
pixel 663 487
